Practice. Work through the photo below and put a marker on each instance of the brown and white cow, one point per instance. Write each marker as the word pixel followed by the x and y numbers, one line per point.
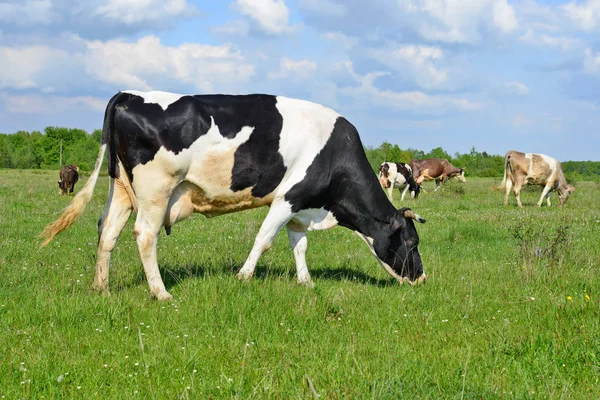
pixel 398 175
pixel 171 155
pixel 437 169
pixel 538 169
pixel 69 175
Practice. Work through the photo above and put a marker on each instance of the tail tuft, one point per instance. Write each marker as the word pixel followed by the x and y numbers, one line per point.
pixel 74 210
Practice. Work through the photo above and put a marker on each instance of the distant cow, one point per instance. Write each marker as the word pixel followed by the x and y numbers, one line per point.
pixel 437 169
pixel 69 175
pixel 398 175
pixel 172 155
pixel 538 169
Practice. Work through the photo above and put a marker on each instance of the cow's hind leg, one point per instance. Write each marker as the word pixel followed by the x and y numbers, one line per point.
pixel 509 185
pixel 299 244
pixel 149 221
pixel 390 192
pixel 110 226
pixel 279 215
pixel 517 190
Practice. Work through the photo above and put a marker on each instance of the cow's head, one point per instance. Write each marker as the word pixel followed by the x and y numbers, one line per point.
pixel 61 187
pixel 384 176
pixel 564 192
pixel 400 251
pixel 414 189
pixel 461 175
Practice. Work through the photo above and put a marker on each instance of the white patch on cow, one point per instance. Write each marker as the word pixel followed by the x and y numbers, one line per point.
pixel 306 129
pixel 206 164
pixel 313 219
pixel 163 99
pixel 552 163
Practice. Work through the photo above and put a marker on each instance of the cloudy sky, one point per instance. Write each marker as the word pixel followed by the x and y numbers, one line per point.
pixel 494 74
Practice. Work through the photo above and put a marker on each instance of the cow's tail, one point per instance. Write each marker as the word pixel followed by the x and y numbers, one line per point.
pixel 80 201
pixel 506 168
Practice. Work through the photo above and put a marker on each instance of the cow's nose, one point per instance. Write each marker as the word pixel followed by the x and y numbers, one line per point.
pixel 421 279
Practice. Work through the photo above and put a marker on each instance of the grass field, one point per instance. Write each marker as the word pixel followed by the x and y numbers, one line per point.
pixel 510 309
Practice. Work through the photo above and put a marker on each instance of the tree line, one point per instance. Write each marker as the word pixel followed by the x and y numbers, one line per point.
pixel 42 150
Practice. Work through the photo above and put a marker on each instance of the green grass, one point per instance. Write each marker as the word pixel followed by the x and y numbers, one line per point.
pixel 510 309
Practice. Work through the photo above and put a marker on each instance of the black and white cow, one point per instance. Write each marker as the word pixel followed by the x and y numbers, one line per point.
pixel 171 155
pixel 398 175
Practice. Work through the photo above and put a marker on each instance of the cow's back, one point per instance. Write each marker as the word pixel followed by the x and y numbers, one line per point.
pixel 237 151
pixel 534 168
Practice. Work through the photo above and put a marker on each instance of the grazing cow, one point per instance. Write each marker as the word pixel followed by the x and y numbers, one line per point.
pixel 436 168
pixel 398 175
pixel 69 175
pixel 538 169
pixel 171 155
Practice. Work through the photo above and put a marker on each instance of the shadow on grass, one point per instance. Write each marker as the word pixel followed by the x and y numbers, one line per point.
pixel 175 274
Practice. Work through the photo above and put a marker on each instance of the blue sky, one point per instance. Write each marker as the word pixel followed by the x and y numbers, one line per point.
pixel 493 74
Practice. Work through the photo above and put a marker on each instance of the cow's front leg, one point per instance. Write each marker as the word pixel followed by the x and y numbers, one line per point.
pixel 299 244
pixel 545 193
pixel 437 185
pixel 279 215
pixel 403 192
pixel 110 226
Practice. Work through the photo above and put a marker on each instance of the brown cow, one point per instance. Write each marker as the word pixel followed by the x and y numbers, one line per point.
pixel 538 169
pixel 69 175
pixel 436 168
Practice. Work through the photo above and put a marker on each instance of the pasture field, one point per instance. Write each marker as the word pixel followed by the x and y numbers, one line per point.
pixel 510 309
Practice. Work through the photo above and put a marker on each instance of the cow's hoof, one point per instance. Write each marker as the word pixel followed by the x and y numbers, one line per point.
pixel 243 276
pixel 100 289
pixel 308 284
pixel 162 295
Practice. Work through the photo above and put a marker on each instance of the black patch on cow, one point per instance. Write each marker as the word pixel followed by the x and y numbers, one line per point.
pixel 341 180
pixel 143 128
pixel 257 162
pixel 401 167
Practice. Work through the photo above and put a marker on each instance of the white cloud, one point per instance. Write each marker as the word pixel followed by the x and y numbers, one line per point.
pixel 459 21
pixel 520 120
pixel 419 60
pixel 324 7
pixel 49 104
pixel 504 17
pixel 564 43
pixel 147 63
pixel 585 14
pixel 23 67
pixel 294 69
pixel 517 87
pixel 135 11
pixel 367 93
pixel 270 16
pixel 591 61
